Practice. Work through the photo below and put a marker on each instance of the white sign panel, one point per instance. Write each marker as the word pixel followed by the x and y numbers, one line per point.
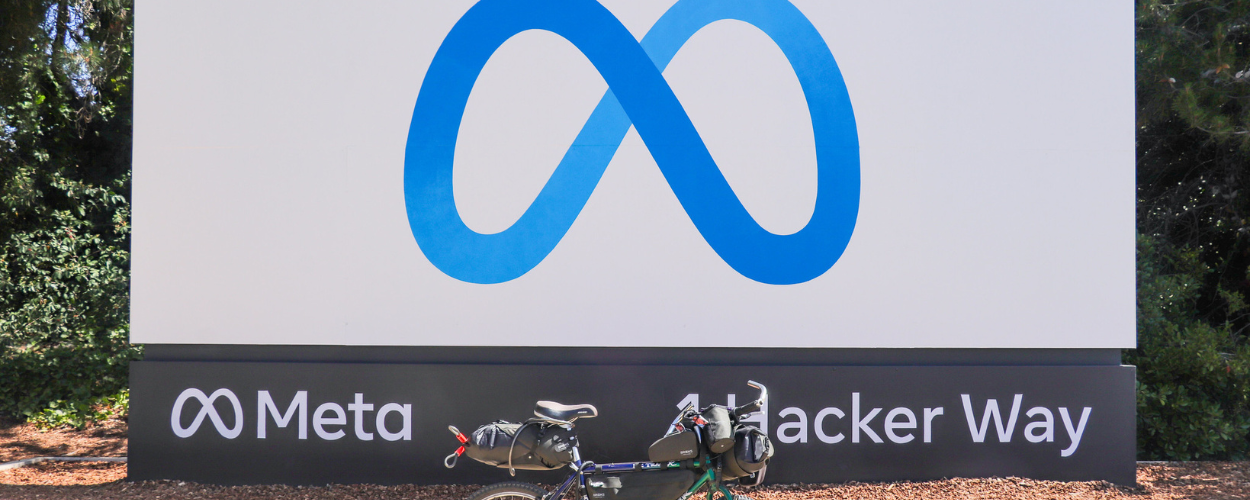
pixel 765 173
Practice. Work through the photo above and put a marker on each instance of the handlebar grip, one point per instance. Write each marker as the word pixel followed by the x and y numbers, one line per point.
pixel 747 409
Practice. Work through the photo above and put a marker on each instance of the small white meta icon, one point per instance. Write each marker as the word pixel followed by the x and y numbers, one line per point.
pixel 206 402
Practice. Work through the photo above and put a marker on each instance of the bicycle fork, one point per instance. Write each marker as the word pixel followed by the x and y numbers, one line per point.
pixel 713 486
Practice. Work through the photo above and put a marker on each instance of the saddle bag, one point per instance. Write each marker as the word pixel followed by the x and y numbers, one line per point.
pixel 531 445
pixel 750 455
pixel 674 447
pixel 718 433
pixel 645 485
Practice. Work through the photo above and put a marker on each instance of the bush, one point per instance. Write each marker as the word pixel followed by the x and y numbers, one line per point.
pixel 1193 215
pixel 64 307
pixel 79 414
pixel 1193 387
pixel 65 137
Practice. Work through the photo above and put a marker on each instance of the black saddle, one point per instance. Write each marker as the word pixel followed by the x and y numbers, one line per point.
pixel 567 413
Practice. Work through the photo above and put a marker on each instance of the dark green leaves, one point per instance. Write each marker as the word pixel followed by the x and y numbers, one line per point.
pixel 65 114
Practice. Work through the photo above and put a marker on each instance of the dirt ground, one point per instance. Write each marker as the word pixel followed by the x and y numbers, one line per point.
pixel 22 440
pixel 1191 480
pixel 106 481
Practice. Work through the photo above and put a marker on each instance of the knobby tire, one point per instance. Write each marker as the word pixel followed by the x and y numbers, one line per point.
pixel 510 490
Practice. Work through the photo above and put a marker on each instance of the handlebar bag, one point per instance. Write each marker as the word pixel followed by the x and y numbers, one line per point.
pixel 674 447
pixel 642 485
pixel 537 446
pixel 751 452
pixel 718 433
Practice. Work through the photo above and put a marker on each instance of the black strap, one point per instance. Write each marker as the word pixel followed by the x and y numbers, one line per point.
pixel 513 446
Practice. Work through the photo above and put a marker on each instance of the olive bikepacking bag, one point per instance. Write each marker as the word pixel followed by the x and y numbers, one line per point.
pixel 644 485
pixel 718 432
pixel 750 455
pixel 527 446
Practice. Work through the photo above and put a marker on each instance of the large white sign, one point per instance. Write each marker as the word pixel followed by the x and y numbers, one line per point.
pixel 901 173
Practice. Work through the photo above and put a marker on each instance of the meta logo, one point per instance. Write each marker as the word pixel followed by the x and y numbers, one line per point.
pixel 638 96
pixel 327 418
pixel 206 409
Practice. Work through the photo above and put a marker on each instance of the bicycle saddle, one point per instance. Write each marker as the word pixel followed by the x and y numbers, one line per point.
pixel 567 413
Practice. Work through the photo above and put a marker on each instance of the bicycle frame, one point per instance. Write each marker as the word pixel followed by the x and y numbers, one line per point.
pixel 708 479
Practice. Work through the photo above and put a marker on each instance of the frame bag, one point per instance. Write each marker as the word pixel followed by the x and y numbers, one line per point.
pixel 674 447
pixel 750 455
pixel 527 446
pixel 645 485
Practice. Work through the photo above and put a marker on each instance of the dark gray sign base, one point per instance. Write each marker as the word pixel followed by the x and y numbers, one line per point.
pixel 320 421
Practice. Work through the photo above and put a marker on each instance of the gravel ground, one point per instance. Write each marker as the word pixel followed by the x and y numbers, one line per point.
pixel 105 481
pixel 1156 481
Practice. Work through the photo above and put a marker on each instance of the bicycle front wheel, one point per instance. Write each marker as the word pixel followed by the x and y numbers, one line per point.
pixel 511 490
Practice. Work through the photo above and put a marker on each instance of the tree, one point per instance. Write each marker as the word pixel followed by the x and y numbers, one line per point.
pixel 65 126
pixel 1193 218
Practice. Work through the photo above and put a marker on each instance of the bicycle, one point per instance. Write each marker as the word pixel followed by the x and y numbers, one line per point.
pixel 702 450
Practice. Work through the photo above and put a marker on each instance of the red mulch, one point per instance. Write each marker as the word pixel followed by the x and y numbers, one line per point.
pixel 22 440
pixel 55 481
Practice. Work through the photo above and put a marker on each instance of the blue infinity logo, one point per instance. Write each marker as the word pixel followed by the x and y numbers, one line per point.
pixel 638 96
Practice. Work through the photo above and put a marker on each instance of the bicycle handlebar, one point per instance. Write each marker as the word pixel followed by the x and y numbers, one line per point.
pixel 738 412
pixel 753 406
pixel 747 409
pixel 680 415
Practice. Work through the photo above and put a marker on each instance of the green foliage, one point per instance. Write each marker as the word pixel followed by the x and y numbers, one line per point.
pixel 1193 387
pixel 1192 65
pixel 1193 76
pixel 65 108
pixel 1193 146
pixel 78 414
